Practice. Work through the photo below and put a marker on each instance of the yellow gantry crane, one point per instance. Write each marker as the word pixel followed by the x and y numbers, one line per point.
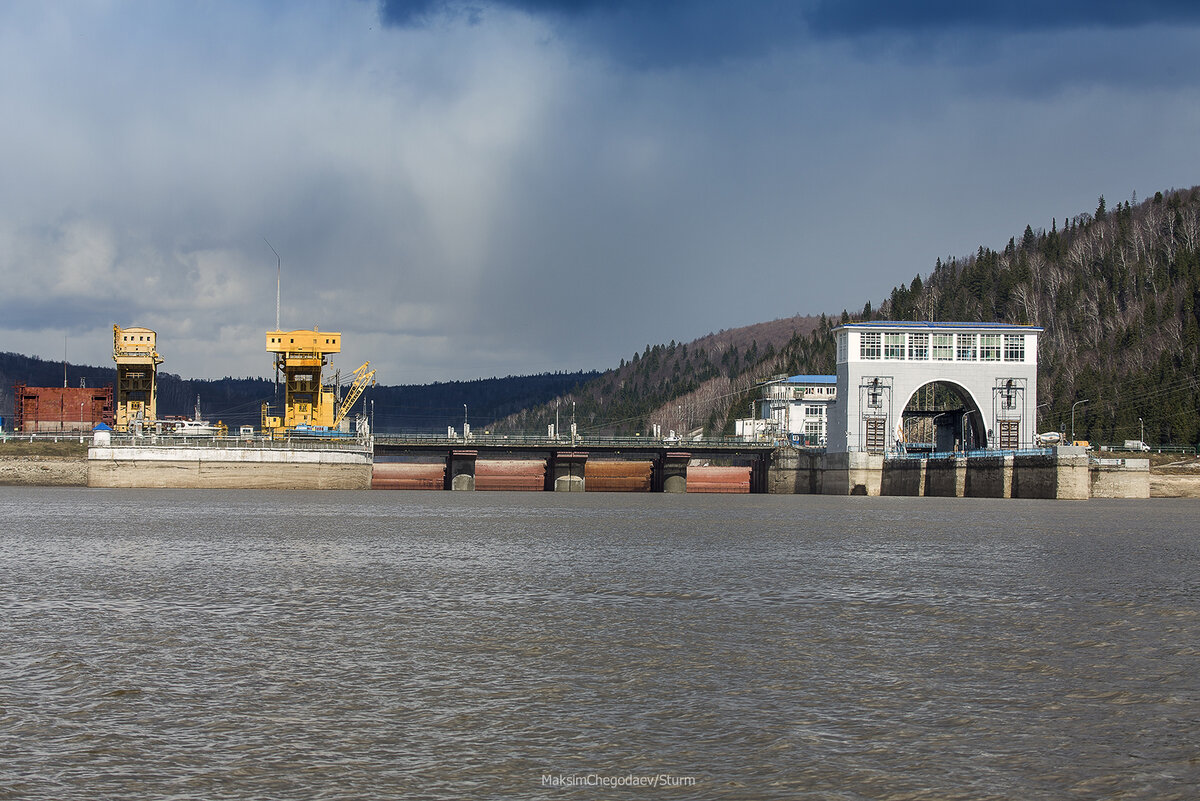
pixel 300 356
pixel 134 351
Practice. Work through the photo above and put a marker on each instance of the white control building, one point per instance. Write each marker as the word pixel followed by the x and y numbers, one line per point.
pixel 881 366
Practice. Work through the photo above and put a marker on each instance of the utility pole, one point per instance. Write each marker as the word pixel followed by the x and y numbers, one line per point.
pixel 1073 405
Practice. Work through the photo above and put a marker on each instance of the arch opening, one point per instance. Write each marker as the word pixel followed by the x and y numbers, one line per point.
pixel 941 417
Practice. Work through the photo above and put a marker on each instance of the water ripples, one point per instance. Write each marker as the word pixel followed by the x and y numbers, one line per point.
pixel 197 645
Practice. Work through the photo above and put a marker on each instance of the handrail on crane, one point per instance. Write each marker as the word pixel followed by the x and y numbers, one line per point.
pixel 359 383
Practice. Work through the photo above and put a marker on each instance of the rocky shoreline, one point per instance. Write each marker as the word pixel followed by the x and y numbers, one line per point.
pixel 43 471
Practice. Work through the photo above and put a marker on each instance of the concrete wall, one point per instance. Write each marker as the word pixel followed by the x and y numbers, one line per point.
pixel 1130 479
pixel 794 472
pixel 1062 475
pixel 988 477
pixel 903 477
pixel 227 468
pixel 851 474
pixel 946 477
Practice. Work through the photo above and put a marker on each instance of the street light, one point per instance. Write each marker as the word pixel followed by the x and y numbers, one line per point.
pixel 1141 433
pixel 1073 405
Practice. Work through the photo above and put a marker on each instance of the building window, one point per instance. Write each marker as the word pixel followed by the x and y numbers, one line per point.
pixel 893 346
pixel 943 347
pixel 841 347
pixel 989 347
pixel 812 411
pixel 966 348
pixel 918 347
pixel 870 345
pixel 1014 347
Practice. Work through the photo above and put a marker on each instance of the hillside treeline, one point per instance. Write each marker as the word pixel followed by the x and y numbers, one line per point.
pixel 1116 290
pixel 1118 294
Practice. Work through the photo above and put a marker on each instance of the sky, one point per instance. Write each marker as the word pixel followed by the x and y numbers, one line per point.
pixel 477 188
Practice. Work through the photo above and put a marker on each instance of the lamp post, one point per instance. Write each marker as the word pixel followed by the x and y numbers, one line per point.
pixel 1141 432
pixel 1073 405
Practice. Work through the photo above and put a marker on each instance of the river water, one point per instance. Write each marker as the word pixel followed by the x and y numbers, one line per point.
pixel 351 645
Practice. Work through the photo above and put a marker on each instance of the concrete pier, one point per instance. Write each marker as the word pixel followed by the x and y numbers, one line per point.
pixel 567 471
pixel 460 470
pixel 1066 473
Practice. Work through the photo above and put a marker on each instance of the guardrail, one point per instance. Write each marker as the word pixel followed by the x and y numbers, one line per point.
pixel 242 443
pixel 500 440
pixel 980 454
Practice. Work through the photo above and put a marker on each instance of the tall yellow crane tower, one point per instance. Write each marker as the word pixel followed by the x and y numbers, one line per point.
pixel 299 357
pixel 137 376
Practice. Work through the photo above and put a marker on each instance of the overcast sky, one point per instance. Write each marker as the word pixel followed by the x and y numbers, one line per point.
pixel 475 188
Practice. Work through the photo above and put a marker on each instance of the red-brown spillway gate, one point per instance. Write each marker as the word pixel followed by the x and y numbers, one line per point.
pixel 593 465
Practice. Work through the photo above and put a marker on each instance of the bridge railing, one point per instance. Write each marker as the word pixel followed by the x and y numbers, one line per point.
pixel 533 440
pixel 978 454
pixel 242 443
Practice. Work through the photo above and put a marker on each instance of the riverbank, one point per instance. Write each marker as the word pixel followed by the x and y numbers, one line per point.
pixel 1175 479
pixel 43 471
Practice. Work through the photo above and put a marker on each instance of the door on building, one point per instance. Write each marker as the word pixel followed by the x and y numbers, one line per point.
pixel 1010 435
pixel 876 434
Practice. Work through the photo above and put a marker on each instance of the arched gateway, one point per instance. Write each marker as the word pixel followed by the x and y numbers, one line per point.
pixel 881 366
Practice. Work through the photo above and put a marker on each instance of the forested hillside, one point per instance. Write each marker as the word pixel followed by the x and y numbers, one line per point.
pixel 1117 292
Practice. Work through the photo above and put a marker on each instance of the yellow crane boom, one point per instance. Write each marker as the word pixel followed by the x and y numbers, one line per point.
pixel 362 377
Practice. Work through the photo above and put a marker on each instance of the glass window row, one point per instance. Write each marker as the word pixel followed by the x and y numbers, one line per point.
pixel 898 346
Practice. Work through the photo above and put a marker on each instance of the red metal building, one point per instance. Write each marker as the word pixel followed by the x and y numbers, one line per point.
pixel 53 409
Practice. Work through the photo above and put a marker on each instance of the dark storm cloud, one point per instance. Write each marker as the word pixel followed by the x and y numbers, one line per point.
pixel 670 33
pixel 857 17
pixel 692 32
pixel 416 12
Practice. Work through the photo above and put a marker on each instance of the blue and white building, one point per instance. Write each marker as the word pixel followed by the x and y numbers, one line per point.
pixel 795 408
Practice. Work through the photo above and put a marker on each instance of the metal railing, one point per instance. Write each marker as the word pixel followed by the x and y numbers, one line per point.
pixel 581 441
pixel 978 454
pixel 302 443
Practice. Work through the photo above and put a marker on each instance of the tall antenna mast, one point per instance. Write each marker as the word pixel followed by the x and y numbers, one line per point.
pixel 278 269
